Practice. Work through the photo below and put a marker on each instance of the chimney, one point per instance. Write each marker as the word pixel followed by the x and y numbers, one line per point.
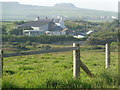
pixel 52 20
pixel 37 18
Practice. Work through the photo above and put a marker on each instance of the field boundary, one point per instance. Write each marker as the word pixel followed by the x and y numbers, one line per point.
pixel 77 63
pixel 38 52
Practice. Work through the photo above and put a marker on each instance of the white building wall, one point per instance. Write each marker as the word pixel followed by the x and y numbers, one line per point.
pixel 63 33
pixel 33 32
pixel 62 23
pixel 35 28
pixel 55 33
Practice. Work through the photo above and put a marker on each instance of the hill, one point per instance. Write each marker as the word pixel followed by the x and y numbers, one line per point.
pixel 17 11
pixel 70 5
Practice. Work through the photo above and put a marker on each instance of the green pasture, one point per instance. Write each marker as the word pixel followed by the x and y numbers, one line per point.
pixel 55 70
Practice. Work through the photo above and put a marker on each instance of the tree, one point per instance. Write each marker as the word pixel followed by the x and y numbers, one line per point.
pixel 16 31
pixel 116 22
pixel 19 22
pixel 4 30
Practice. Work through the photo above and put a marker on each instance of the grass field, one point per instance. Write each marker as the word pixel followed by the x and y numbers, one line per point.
pixel 55 70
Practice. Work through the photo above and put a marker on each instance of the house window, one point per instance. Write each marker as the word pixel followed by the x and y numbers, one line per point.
pixel 26 32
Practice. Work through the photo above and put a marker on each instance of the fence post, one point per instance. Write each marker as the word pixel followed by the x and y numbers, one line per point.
pixel 76 61
pixel 1 62
pixel 107 56
pixel 1 67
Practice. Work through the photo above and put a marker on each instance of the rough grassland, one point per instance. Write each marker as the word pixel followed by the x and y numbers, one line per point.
pixel 54 70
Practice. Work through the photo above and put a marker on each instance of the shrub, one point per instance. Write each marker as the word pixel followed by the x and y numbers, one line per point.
pixel 45 39
pixel 100 40
pixel 45 46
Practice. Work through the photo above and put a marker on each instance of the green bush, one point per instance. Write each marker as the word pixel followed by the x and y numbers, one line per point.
pixel 100 40
pixel 114 46
pixel 45 39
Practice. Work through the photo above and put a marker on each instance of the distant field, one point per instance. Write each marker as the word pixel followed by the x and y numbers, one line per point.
pixel 54 70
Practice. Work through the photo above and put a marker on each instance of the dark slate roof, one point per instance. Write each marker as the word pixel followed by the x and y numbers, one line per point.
pixel 77 33
pixel 37 23
pixel 58 28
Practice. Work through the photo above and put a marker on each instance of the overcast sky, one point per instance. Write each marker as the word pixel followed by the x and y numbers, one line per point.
pixel 109 5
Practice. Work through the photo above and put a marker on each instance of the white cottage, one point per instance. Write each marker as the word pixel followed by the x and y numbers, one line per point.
pixel 40 26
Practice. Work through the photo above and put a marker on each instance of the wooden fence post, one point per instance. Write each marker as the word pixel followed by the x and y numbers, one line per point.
pixel 107 56
pixel 1 62
pixel 1 66
pixel 76 61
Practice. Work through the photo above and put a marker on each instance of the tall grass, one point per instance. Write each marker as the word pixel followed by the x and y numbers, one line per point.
pixel 54 70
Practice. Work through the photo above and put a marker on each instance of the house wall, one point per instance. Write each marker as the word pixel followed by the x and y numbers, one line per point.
pixel 63 33
pixel 33 32
pixel 56 33
pixel 35 28
pixel 62 23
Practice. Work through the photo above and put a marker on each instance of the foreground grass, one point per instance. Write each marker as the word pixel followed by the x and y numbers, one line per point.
pixel 54 70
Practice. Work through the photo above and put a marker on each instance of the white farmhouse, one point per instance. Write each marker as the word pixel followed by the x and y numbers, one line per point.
pixel 40 26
